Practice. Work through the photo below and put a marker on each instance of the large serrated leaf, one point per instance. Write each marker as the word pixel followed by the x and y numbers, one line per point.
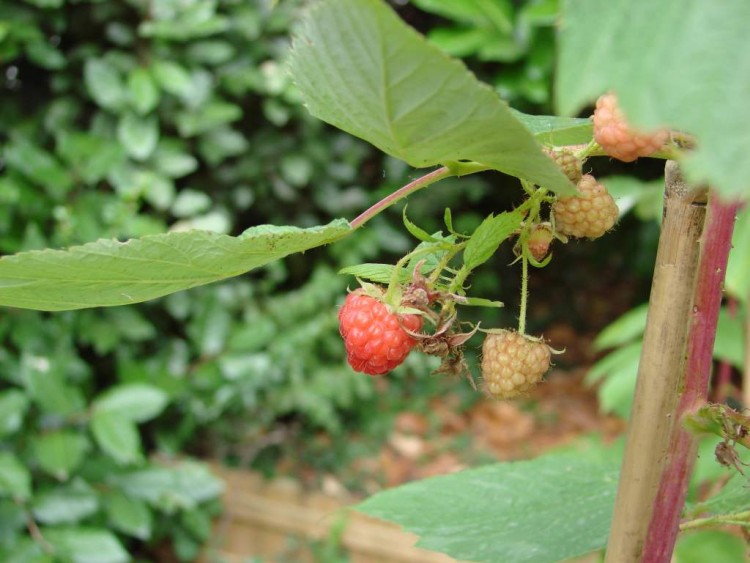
pixel 108 272
pixel 557 130
pixel 360 68
pixel 548 509
pixel 681 63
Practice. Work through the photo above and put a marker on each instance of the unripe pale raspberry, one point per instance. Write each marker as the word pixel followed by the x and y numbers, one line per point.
pixel 568 162
pixel 374 337
pixel 589 214
pixel 615 136
pixel 512 363
pixel 539 241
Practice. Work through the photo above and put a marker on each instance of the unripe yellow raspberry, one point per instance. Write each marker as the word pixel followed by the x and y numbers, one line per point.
pixel 589 214
pixel 512 363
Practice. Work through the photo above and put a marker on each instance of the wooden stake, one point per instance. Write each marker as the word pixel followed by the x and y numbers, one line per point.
pixel 660 369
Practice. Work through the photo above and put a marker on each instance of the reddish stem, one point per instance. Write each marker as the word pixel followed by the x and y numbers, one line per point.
pixel 716 244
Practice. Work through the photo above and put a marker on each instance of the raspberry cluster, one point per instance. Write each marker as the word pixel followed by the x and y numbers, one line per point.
pixel 512 363
pixel 590 213
pixel 617 138
pixel 374 337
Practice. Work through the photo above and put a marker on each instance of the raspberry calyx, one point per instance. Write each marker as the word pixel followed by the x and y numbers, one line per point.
pixel 375 338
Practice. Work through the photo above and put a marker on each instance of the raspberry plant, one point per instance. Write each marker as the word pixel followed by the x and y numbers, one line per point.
pixel 361 69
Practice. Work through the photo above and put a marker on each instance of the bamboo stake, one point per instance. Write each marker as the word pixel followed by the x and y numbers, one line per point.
pixel 660 369
pixel 670 500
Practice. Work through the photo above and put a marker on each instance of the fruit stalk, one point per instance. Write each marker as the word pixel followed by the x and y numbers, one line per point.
pixel 660 369
pixel 715 246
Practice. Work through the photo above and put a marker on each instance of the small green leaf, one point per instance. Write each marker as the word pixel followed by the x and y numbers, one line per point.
pixel 488 236
pixel 626 328
pixel 144 94
pixel 733 497
pixel 128 515
pixel 481 302
pixel 710 545
pixel 39 166
pixel 109 272
pixel 172 78
pixel 415 231
pixel 86 545
pixel 362 69
pixel 170 489
pixel 496 512
pixel 137 402
pixel 138 135
pixel 378 273
pixel 104 84
pixel 13 407
pixel 66 505
pixel 117 436
pixel 15 479
pixel 738 270
pixel 556 130
pixel 60 453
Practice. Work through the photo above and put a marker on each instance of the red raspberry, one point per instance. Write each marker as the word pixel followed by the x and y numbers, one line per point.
pixel 375 339
pixel 590 214
pixel 614 135
pixel 512 363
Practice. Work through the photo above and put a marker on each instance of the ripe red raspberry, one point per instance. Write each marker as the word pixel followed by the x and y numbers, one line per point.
pixel 568 162
pixel 512 363
pixel 374 337
pixel 615 136
pixel 590 214
pixel 539 241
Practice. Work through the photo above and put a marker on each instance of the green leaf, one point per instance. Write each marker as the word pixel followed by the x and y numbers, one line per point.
pixel 627 327
pixel 710 545
pixel 128 515
pixel 39 166
pixel 13 407
pixel 417 232
pixel 15 479
pixel 171 489
pixel 66 505
pixel 556 130
pixel 378 273
pixel 60 453
pixel 117 436
pixel 104 84
pixel 737 281
pixel 143 92
pixel 680 63
pixel 138 135
pixel 495 13
pixel 733 497
pixel 729 345
pixel 137 402
pixel 86 545
pixel 108 272
pixel 488 236
pixel 497 512
pixel 360 68
pixel 172 78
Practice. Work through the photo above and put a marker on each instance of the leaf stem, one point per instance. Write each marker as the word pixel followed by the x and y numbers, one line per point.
pixel 454 169
pixel 736 518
